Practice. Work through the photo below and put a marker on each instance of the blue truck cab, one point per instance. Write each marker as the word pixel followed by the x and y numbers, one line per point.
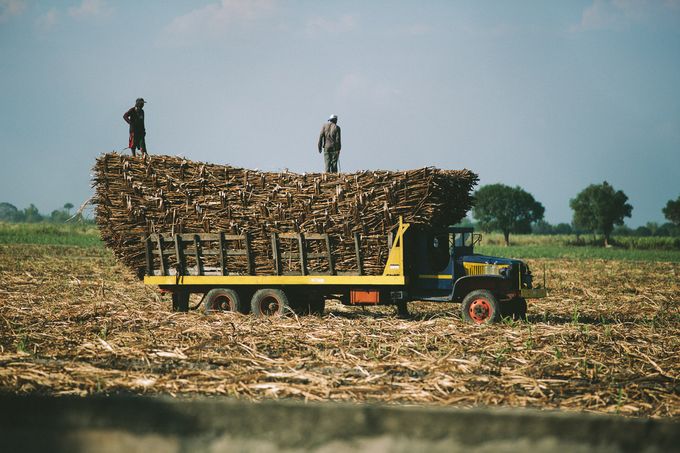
pixel 444 268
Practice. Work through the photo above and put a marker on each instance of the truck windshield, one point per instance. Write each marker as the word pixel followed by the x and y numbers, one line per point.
pixel 463 239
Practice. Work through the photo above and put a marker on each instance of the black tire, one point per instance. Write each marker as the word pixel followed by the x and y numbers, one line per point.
pixel 519 309
pixel 221 300
pixel 269 302
pixel 481 307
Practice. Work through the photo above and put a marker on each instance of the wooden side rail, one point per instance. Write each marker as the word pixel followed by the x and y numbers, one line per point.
pixel 198 246
pixel 303 255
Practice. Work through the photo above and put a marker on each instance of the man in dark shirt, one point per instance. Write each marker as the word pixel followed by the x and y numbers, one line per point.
pixel 135 118
pixel 329 143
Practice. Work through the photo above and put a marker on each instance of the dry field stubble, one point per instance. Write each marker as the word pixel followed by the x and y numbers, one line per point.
pixel 72 321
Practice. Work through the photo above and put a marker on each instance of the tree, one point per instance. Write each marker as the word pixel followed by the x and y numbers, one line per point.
pixel 59 216
pixel 672 211
pixel 643 231
pixel 67 208
pixel 9 213
pixel 465 223
pixel 31 214
pixel 599 207
pixel 667 229
pixel 623 230
pixel 508 209
pixel 562 228
pixel 542 227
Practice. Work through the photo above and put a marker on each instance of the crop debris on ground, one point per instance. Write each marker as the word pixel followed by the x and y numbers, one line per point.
pixel 74 321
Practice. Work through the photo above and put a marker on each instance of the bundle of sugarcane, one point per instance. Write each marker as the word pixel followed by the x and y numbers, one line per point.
pixel 136 197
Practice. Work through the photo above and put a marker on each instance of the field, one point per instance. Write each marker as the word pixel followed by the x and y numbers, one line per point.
pixel 85 235
pixel 73 321
pixel 583 247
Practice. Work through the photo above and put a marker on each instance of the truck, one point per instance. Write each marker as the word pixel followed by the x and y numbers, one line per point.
pixel 423 264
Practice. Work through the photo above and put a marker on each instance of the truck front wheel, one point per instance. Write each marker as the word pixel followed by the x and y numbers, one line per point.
pixel 481 307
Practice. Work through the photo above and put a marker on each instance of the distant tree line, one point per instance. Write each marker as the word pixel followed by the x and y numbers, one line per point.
pixel 597 209
pixel 31 214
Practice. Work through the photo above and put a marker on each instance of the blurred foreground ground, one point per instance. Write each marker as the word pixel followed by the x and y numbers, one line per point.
pixel 168 425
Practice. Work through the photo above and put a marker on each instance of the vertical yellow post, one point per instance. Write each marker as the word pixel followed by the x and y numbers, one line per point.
pixel 395 260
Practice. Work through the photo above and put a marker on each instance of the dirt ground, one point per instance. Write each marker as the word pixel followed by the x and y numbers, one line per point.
pixel 607 339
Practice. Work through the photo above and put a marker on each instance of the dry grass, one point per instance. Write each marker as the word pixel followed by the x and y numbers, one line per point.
pixel 73 321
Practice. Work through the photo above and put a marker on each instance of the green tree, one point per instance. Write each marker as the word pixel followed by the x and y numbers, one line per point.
pixel 672 211
pixel 668 229
pixel 563 228
pixel 59 216
pixel 67 208
pixel 31 214
pixel 599 207
pixel 508 209
pixel 9 213
pixel 623 230
pixel 542 227
pixel 643 231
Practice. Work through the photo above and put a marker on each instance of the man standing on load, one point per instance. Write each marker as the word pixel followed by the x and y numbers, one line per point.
pixel 329 143
pixel 135 118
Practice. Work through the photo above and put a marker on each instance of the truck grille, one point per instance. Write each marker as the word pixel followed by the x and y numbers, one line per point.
pixel 483 269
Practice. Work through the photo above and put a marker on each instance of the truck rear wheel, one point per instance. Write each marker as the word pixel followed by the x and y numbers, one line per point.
pixel 481 307
pixel 269 302
pixel 221 299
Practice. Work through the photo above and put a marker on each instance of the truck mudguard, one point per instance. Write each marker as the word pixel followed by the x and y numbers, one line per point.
pixel 494 283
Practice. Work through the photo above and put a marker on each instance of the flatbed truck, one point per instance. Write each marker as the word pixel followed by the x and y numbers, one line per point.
pixel 423 264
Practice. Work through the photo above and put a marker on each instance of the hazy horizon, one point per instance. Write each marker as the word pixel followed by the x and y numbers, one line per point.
pixel 549 96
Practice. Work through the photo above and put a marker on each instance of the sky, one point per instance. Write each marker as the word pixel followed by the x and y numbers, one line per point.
pixel 550 96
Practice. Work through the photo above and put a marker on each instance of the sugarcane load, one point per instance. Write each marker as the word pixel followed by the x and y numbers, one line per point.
pixel 163 194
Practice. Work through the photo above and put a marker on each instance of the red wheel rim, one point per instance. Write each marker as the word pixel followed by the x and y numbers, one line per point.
pixel 269 306
pixel 480 310
pixel 222 303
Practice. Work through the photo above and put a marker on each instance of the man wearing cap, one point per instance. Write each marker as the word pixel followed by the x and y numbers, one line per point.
pixel 329 143
pixel 135 118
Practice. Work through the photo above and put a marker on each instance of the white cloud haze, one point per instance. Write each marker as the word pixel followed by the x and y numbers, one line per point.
pixel 9 8
pixel 617 14
pixel 90 8
pixel 341 24
pixel 216 18
pixel 48 20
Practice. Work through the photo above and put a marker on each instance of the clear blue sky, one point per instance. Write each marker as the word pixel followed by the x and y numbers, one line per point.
pixel 548 95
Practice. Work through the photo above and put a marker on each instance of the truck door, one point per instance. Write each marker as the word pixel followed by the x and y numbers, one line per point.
pixel 434 265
